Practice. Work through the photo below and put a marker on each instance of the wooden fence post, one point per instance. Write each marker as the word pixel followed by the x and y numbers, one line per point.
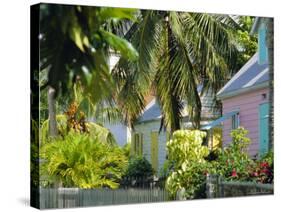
pixel 212 186
pixel 220 187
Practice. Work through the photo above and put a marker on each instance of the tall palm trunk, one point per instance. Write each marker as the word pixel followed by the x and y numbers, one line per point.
pixel 270 45
pixel 53 130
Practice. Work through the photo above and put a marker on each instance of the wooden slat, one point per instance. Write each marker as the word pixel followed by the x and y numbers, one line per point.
pixel 73 197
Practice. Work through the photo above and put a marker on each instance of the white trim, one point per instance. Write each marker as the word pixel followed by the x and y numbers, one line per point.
pixel 256 78
pixel 240 72
pixel 150 104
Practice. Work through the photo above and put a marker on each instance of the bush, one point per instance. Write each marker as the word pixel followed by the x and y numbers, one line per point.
pixel 262 170
pixel 127 149
pixel 187 153
pixel 233 162
pixel 139 167
pixel 166 169
pixel 79 160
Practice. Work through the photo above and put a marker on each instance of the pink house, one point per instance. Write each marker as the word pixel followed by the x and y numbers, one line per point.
pixel 245 98
pixel 245 103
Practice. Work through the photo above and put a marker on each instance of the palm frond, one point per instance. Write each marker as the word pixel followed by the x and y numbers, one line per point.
pixel 134 79
pixel 168 97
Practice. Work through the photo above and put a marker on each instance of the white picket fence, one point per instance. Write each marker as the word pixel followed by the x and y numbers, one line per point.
pixel 74 197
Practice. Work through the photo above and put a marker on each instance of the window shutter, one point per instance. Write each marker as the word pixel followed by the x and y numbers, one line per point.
pixel 262 48
pixel 136 144
pixel 141 144
pixel 133 145
pixel 263 129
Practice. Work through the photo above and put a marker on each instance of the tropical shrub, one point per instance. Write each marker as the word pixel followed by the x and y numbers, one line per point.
pixel 262 169
pixel 93 129
pixel 139 167
pixel 166 169
pixel 187 154
pixel 80 160
pixel 127 149
pixel 233 162
pixel 34 145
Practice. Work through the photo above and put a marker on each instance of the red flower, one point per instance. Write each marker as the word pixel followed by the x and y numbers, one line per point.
pixel 264 164
pixel 234 173
pixel 265 171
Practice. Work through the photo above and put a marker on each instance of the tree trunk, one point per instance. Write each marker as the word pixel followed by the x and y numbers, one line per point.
pixel 270 45
pixel 53 130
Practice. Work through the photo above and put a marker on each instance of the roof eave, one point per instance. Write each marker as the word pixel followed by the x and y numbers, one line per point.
pixel 242 91
pixel 148 120
pixel 238 74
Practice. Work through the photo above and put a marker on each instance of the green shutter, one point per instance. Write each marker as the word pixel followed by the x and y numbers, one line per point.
pixel 263 129
pixel 154 150
pixel 133 144
pixel 141 144
pixel 137 144
pixel 262 48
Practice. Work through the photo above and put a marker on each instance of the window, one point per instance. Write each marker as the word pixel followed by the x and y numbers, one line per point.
pixel 262 48
pixel 235 121
pixel 137 145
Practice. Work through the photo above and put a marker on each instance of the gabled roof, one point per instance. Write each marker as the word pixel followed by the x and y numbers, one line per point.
pixel 151 112
pixel 250 77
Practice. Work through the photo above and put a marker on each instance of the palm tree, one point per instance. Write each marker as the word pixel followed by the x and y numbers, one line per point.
pixel 177 52
pixel 74 43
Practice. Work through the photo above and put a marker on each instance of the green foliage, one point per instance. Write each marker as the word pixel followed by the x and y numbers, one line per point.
pixel 268 157
pixel 139 167
pixel 75 41
pixel 79 160
pixel 105 111
pixel 166 169
pixel 233 162
pixel 34 151
pixel 185 146
pixel 126 49
pixel 74 118
pixel 247 43
pixel 127 149
pixel 95 131
pixel 186 152
pixel 177 52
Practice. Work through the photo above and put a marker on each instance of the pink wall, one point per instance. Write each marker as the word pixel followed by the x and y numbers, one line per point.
pixel 248 105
